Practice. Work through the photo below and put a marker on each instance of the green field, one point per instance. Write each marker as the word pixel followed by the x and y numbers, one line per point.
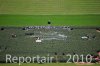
pixel 39 12
pixel 57 20
pixel 49 7
pixel 60 12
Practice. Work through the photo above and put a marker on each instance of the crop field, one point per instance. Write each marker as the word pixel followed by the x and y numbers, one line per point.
pixel 52 40
pixel 74 29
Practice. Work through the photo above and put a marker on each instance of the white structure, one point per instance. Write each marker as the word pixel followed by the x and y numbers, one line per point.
pixel 84 37
pixel 38 40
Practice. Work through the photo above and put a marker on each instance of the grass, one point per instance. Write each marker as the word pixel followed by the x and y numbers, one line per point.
pixel 49 7
pixel 57 20
pixel 52 64
pixel 59 12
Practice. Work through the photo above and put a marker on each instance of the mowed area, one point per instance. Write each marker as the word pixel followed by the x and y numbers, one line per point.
pixel 59 12
pixel 56 20
pixel 49 7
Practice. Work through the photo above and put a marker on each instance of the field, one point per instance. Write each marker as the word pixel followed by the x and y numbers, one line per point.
pixel 56 20
pixel 60 40
pixel 49 7
pixel 59 12
pixel 17 14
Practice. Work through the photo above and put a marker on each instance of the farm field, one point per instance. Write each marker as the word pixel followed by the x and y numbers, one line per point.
pixel 16 15
pixel 20 41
